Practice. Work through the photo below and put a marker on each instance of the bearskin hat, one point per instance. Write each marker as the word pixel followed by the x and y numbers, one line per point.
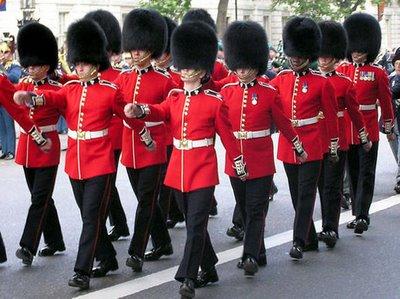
pixel 37 45
pixel 396 56
pixel 194 45
pixel 86 42
pixel 334 39
pixel 171 25
pixel 302 38
pixel 199 14
pixel 246 46
pixel 144 29
pixel 364 35
pixel 109 23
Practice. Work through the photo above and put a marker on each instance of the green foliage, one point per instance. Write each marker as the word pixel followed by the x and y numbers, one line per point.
pixel 174 9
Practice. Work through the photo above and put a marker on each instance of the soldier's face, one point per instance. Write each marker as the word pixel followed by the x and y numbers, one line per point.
pixel 326 64
pixel 38 72
pixel 141 58
pixel 191 76
pixel 163 61
pixel 246 75
pixel 397 66
pixel 359 57
pixel 298 64
pixel 85 71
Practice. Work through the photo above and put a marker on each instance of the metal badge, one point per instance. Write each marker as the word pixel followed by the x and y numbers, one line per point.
pixel 367 76
pixel 304 89
pixel 254 99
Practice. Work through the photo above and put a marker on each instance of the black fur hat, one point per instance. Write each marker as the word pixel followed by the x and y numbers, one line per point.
pixel 144 29
pixel 334 39
pixel 171 25
pixel 37 46
pixel 86 42
pixel 364 34
pixel 109 23
pixel 302 38
pixel 199 14
pixel 246 46
pixel 194 45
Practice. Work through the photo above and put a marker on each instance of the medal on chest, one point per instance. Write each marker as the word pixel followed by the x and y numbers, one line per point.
pixel 304 88
pixel 254 99
pixel 367 76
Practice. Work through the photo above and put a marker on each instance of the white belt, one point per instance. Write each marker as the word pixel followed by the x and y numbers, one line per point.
pixel 251 134
pixel 148 124
pixel 367 107
pixel 340 114
pixel 43 129
pixel 190 144
pixel 86 135
pixel 304 122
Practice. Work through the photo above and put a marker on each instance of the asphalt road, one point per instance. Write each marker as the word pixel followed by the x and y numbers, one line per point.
pixel 366 266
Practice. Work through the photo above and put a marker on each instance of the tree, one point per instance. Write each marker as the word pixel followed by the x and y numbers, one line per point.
pixel 221 16
pixel 174 9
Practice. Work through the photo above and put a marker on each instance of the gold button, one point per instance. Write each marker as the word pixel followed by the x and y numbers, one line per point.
pixel 30 116
pixel 244 106
pixel 185 113
pixel 184 135
pixel 81 119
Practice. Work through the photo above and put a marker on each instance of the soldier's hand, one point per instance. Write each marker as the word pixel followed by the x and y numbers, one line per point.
pixel 391 137
pixel 47 146
pixel 303 157
pixel 367 146
pixel 129 110
pixel 22 97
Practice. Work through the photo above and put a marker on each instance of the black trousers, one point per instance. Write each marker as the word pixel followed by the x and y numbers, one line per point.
pixel 237 218
pixel 169 206
pixel 199 251
pixel 117 213
pixel 303 180
pixel 146 186
pixel 362 166
pixel 92 196
pixel 3 255
pixel 330 186
pixel 252 198
pixel 42 214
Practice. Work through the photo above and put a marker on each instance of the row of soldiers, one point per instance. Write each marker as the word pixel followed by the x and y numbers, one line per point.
pixel 170 106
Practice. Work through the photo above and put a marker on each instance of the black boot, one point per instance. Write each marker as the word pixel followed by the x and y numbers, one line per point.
pixel 329 237
pixel 135 262
pixel 361 226
pixel 104 267
pixel 3 255
pixel 25 255
pixel 206 277
pixel 187 289
pixel 156 253
pixel 235 232
pixel 50 250
pixel 118 232
pixel 296 252
pixel 80 281
pixel 250 266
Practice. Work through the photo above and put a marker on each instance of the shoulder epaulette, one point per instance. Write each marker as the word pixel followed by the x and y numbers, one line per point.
pixel 108 83
pixel 377 66
pixel 55 83
pixel 343 76
pixel 213 93
pixel 162 71
pixel 282 72
pixel 317 73
pixel 26 79
pixel 266 85
pixel 72 82
pixel 230 84
pixel 175 90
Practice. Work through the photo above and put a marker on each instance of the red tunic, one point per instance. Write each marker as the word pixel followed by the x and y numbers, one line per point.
pixel 220 71
pixel 148 86
pixel 303 96
pixel 116 126
pixel 253 107
pixel 89 107
pixel 28 153
pixel 205 115
pixel 372 85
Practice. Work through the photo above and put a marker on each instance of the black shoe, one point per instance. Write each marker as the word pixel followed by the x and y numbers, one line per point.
pixel 206 277
pixel 397 188
pixel 351 224
pixel 50 250
pixel 240 264
pixel 250 266
pixel 274 190
pixel 329 237
pixel 156 253
pixel 104 267
pixel 25 255
pixel 361 226
pixel 171 223
pixel 296 252
pixel 311 247
pixel 345 202
pixel 135 262
pixel 80 281
pixel 235 232
pixel 187 289
pixel 213 211
pixel 117 233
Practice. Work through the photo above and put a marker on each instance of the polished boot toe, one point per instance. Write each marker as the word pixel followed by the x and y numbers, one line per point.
pixel 156 253
pixel 329 238
pixel 104 267
pixel 50 250
pixel 351 224
pixel 80 281
pixel 25 255
pixel 135 262
pixel 187 289
pixel 296 252
pixel 250 266
pixel 206 277
pixel 116 233
pixel 361 226
pixel 235 232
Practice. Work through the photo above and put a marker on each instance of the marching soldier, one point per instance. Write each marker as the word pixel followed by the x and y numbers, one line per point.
pixel 303 94
pixel 6 93
pixel 253 106
pixel 109 23
pixel 89 104
pixel 371 84
pixel 144 35
pixel 37 49
pixel 333 50
pixel 195 115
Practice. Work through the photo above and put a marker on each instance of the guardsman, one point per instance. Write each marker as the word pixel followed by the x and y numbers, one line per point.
pixel 109 23
pixel 253 105
pixel 6 93
pixel 333 50
pixel 195 115
pixel 38 54
pixel 144 36
pixel 168 204
pixel 372 88
pixel 304 93
pixel 89 104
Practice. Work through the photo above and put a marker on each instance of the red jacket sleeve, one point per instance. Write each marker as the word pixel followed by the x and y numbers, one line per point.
pixel 160 112
pixel 385 96
pixel 282 122
pixel 56 99
pixel 353 108
pixel 118 108
pixel 329 108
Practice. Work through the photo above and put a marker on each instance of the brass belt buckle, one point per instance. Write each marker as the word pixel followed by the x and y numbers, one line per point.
pixel 242 134
pixel 81 135
pixel 295 122
pixel 183 144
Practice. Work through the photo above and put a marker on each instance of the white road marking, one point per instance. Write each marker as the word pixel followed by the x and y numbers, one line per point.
pixel 152 280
